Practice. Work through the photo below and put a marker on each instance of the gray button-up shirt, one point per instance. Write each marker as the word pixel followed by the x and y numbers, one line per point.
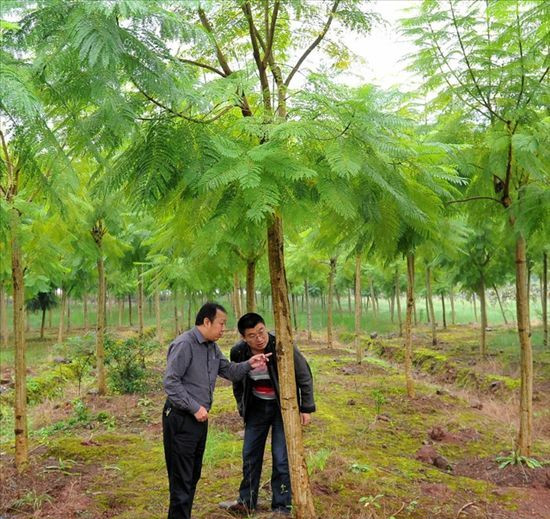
pixel 192 366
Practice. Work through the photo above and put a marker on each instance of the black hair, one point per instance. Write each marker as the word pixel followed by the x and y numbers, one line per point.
pixel 208 310
pixel 249 320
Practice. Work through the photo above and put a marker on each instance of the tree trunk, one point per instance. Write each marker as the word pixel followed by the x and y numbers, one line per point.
pixel 20 405
pixel 529 296
pixel 357 340
pixel 308 309
pixel 544 296
pixel 140 301
pixel 130 310
pixel 42 323
pixel 414 313
pixel 85 304
pixel 176 319
pixel 251 286
pixel 483 312
pixel 98 232
pixel 4 332
pixel 331 273
pixel 391 306
pixel 475 306
pixel 120 311
pixel 524 441
pixel 452 298
pixel 338 300
pixel 500 304
pixel 157 315
pixel 427 308
pixel 236 296
pixel 50 318
pixel 373 299
pixel 431 304
pixel 398 300
pixel 68 313
pixel 301 490
pixel 443 310
pixel 408 328
pixel 349 300
pixel 61 327
pixel 295 313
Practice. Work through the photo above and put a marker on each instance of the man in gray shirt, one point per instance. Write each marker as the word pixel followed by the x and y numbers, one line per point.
pixel 194 361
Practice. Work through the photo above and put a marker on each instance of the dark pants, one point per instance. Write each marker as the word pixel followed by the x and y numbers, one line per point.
pixel 262 415
pixel 184 442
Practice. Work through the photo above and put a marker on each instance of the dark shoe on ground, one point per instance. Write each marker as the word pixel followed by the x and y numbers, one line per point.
pixel 235 507
pixel 279 513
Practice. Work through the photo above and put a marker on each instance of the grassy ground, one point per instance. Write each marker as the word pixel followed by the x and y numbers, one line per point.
pixel 102 457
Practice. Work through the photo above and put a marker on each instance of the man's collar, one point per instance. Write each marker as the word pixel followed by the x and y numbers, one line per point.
pixel 198 335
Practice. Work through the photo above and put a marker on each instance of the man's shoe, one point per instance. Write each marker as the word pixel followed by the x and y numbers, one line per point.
pixel 279 513
pixel 235 507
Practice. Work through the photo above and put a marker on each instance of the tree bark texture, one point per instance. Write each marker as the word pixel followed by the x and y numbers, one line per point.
pixel 331 274
pixel 308 309
pixel 408 327
pixel 251 286
pixel 544 296
pixel 140 301
pixel 398 301
pixel 483 313
pixel 20 404
pixel 500 304
pixel 357 340
pixel 301 490
pixel 4 331
pixel 430 299
pixel 524 440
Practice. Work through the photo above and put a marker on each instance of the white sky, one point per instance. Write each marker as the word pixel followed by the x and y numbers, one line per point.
pixel 384 49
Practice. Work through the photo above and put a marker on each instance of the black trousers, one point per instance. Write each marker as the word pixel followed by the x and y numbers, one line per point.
pixel 184 443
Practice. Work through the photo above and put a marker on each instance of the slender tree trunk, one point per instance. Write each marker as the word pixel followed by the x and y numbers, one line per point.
pixel 408 328
pixel 391 306
pixel 62 308
pixel 357 338
pixel 529 296
pixel 544 296
pixel 236 295
pixel 189 310
pixel 474 303
pixel 42 323
pixel 338 300
pixel 500 304
pixel 157 315
pixel 349 300
pixel 431 304
pixel 50 318
pixel 68 313
pixel 120 311
pixel 524 441
pixel 452 298
pixel 373 299
pixel 427 309
pixel 20 404
pixel 301 490
pixel 130 310
pixel 331 273
pixel 140 301
pixel 176 319
pixel 398 300
pixel 100 330
pixel 483 312
pixel 85 310
pixel 308 309
pixel 443 310
pixel 4 332
pixel 414 313
pixel 295 313
pixel 251 286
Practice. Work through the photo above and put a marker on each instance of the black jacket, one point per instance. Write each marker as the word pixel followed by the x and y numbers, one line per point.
pixel 304 380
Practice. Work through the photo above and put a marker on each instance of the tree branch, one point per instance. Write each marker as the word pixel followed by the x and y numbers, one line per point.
pixel 202 65
pixel 315 43
pixel 518 26
pixel 264 82
pixel 474 198
pixel 204 119
pixel 484 102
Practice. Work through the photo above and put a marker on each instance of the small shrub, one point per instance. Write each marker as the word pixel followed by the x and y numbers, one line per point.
pixel 379 400
pixel 126 361
pixel 514 458
pixel 317 461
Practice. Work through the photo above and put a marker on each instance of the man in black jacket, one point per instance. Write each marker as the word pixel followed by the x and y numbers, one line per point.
pixel 257 397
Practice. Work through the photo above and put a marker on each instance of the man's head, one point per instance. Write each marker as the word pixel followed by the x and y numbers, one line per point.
pixel 211 321
pixel 254 332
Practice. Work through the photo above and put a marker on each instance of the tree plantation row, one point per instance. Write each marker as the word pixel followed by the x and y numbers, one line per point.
pixel 212 148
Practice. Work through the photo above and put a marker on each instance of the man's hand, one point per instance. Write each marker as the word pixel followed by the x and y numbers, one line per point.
pixel 202 414
pixel 305 418
pixel 260 360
